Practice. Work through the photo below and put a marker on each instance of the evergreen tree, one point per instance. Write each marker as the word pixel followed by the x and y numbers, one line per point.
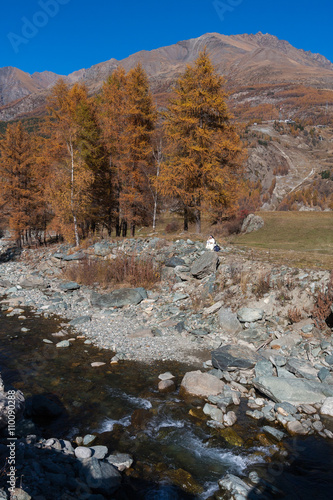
pixel 204 151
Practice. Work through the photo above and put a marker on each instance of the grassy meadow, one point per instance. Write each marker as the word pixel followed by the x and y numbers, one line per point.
pixel 293 238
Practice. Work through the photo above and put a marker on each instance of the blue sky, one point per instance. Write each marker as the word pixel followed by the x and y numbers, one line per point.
pixel 67 35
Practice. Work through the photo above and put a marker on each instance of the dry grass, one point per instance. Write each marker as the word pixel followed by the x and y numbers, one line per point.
pixel 262 286
pixel 294 315
pixel 123 270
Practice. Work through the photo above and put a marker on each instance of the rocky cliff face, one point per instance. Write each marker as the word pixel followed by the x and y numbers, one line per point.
pixel 248 59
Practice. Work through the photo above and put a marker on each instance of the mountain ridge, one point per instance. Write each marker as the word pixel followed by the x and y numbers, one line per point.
pixel 245 59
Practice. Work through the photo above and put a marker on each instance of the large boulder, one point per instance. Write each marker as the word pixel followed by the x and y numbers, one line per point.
pixel 205 265
pixel 249 314
pixel 302 369
pixel 174 262
pixel 295 391
pixel 327 408
pixel 30 282
pixel 229 321
pixel 252 223
pixel 117 298
pixel 201 384
pixel 231 357
pixel 234 486
pixel 100 476
pixel 102 248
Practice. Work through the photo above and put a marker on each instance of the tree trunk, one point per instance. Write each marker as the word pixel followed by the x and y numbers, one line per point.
pixel 124 228
pixel 198 221
pixel 185 219
pixel 76 233
pixel 133 230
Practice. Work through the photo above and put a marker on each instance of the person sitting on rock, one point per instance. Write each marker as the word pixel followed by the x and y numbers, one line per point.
pixel 210 243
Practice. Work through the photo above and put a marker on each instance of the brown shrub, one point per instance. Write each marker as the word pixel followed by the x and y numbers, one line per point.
pixel 294 315
pixel 322 307
pixel 124 269
pixel 233 226
pixel 172 227
pixel 262 286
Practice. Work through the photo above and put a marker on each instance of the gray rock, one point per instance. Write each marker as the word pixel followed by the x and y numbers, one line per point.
pixel 142 291
pixel 166 376
pixel 102 249
pixel 174 262
pixel 254 335
pixel 229 321
pixel 83 452
pixel 229 357
pixel 234 486
pixel 63 344
pixel 69 286
pixel 229 418
pixel 80 320
pixel 264 368
pixel 287 341
pixel 252 223
pixel 201 384
pixel 323 374
pixel 278 360
pixel 121 461
pixel 205 265
pixel 117 298
pixel 282 372
pixel 301 368
pixel 88 439
pixel 19 494
pixel 249 314
pixel 74 256
pixel 31 282
pixel 329 359
pixel 179 296
pixel 292 390
pixel 287 407
pixel 166 385
pixel 327 408
pixel 308 409
pixel 99 452
pixel 296 428
pixel 213 412
pixel 100 476
pixel 307 328
pixel 59 255
pixel 273 432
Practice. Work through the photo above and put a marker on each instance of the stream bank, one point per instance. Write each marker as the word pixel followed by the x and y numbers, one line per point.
pixel 170 323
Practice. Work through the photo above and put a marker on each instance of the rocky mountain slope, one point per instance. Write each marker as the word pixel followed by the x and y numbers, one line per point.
pixel 244 60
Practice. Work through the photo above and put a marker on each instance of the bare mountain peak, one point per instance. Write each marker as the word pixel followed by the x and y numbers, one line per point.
pixel 244 59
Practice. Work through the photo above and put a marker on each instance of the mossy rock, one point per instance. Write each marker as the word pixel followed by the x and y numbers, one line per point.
pixel 184 480
pixel 231 437
pixel 197 413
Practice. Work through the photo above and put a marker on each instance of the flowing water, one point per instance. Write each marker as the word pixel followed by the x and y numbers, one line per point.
pixel 175 455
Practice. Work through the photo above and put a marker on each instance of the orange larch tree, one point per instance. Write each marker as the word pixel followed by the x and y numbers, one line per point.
pixel 204 154
pixel 20 188
pixel 70 186
pixel 137 163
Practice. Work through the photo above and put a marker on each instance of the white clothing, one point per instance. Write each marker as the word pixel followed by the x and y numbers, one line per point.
pixel 210 243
